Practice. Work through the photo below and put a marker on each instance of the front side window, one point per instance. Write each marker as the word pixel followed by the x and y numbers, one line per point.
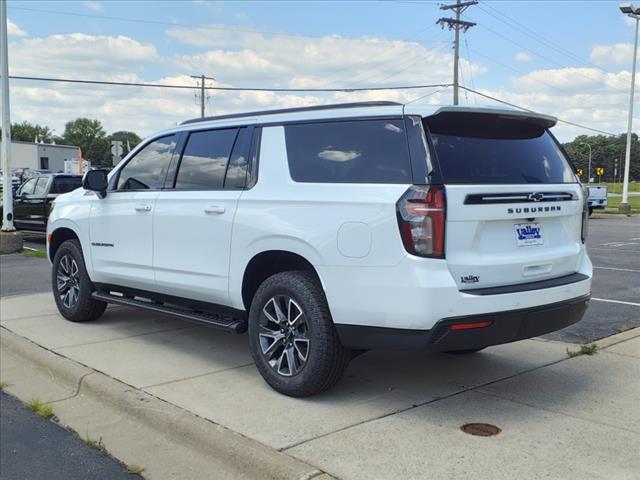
pixel 204 160
pixel 362 151
pixel 148 169
pixel 41 186
pixel 28 187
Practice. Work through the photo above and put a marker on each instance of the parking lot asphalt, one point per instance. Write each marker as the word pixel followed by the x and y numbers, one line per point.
pixel 614 248
pixel 613 244
pixel 38 449
pixel 393 415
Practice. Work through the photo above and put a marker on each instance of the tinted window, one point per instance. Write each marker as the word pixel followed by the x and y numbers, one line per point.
pixel 147 170
pixel 237 168
pixel 65 184
pixel 482 149
pixel 41 186
pixel 204 160
pixel 28 187
pixel 364 151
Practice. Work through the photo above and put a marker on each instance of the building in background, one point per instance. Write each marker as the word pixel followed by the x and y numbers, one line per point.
pixel 45 156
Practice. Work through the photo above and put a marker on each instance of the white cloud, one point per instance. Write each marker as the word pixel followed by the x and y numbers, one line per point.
pixel 617 54
pixel 80 56
pixel 95 6
pixel 583 95
pixel 14 30
pixel 524 57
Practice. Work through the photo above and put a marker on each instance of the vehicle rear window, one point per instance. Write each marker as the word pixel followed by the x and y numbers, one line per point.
pixel 65 184
pixel 483 149
pixel 363 151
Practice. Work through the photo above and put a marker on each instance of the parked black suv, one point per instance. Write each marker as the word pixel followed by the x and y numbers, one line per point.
pixel 32 201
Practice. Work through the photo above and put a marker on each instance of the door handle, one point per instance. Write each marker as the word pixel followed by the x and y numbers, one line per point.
pixel 143 208
pixel 211 209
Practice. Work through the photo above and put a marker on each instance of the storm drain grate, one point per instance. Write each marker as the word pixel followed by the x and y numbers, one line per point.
pixel 480 429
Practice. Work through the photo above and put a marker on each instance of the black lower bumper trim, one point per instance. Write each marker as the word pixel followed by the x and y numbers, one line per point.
pixel 505 327
pixel 527 287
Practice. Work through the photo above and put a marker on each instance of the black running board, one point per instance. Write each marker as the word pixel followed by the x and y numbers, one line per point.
pixel 220 321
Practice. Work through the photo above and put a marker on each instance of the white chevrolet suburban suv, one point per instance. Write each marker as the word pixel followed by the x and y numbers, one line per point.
pixel 327 231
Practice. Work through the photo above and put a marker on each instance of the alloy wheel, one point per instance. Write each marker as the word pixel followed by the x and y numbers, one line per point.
pixel 68 281
pixel 283 333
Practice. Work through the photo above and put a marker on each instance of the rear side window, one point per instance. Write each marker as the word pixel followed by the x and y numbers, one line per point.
pixel 362 151
pixel 484 149
pixel 65 184
pixel 204 160
pixel 148 169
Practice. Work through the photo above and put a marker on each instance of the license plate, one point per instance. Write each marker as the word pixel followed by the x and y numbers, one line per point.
pixel 528 234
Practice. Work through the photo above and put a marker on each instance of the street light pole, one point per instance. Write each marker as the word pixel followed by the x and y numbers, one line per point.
pixel 588 171
pixel 633 12
pixel 7 187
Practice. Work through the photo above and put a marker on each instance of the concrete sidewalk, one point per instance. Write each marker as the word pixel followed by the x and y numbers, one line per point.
pixel 395 414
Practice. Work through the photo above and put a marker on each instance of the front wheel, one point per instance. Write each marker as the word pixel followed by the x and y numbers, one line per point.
pixel 72 287
pixel 293 341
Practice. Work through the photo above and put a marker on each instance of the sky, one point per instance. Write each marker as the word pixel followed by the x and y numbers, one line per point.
pixel 565 58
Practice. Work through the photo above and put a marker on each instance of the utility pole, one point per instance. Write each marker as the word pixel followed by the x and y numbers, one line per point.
pixel 634 12
pixel 7 187
pixel 457 25
pixel 201 96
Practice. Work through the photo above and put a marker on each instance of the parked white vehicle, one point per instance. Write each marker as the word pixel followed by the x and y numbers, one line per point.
pixel 598 197
pixel 326 231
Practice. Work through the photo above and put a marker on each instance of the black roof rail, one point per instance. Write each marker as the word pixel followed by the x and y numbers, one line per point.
pixel 292 110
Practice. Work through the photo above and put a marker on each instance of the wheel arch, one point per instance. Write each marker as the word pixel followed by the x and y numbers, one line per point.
pixel 267 263
pixel 57 237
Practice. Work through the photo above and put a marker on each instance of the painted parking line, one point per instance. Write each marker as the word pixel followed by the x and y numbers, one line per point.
pixel 615 301
pixel 618 269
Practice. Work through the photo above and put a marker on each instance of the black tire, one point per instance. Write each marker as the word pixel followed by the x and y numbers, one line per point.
pixel 464 352
pixel 69 262
pixel 590 211
pixel 326 358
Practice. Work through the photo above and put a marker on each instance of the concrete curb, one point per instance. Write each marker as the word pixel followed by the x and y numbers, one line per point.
pixel 138 428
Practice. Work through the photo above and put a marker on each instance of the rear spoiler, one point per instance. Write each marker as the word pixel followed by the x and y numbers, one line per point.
pixel 546 121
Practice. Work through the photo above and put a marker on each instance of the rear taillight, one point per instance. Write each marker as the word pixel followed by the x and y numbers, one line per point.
pixel 421 217
pixel 585 214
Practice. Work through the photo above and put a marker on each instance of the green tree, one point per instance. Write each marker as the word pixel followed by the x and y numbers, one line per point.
pixel 606 152
pixel 28 132
pixel 90 136
pixel 129 139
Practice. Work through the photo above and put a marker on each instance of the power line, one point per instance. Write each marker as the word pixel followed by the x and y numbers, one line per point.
pixel 519 27
pixel 533 111
pixel 466 44
pixel 176 24
pixel 545 58
pixel 231 89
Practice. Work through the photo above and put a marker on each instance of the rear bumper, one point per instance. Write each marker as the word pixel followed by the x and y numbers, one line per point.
pixel 505 327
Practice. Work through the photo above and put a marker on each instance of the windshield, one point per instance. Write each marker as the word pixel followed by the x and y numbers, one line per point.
pixel 488 148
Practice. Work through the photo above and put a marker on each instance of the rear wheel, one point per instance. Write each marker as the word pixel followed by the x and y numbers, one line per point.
pixel 72 287
pixel 293 341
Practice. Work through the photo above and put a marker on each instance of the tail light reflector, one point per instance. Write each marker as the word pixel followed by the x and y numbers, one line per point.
pixel 469 326
pixel 421 218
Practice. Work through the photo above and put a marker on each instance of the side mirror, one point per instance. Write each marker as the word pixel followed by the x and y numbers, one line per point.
pixel 96 181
